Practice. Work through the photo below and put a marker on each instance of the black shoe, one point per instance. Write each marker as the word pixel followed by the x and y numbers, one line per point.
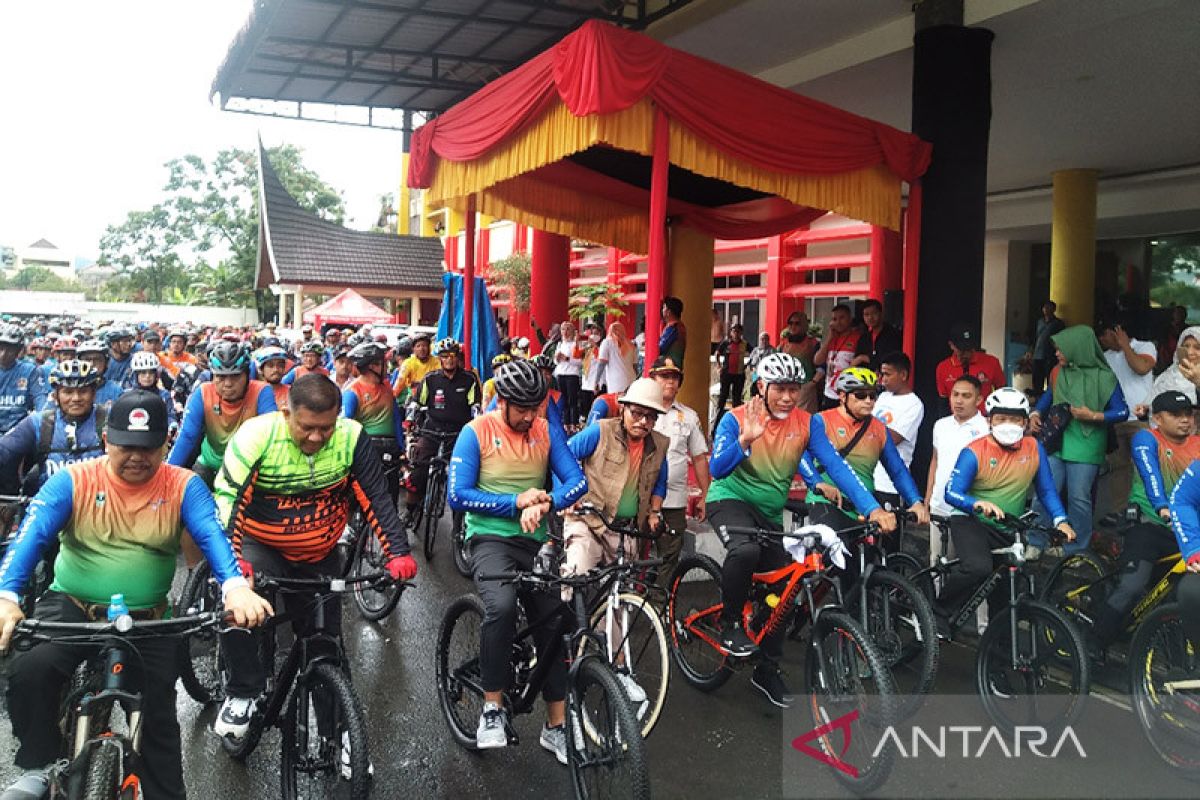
pixel 941 619
pixel 769 680
pixel 736 642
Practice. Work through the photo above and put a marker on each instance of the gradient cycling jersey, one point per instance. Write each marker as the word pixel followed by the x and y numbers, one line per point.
pixel 603 407
pixel 299 371
pixel 873 447
pixel 374 406
pixel 209 422
pixel 988 471
pixel 1160 463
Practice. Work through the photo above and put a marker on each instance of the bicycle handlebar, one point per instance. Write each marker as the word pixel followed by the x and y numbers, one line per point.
pixel 584 509
pixel 591 576
pixel 46 630
pixel 325 585
pixel 22 499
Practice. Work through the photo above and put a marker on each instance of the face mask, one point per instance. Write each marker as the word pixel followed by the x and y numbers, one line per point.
pixel 781 414
pixel 1008 433
pixel 595 338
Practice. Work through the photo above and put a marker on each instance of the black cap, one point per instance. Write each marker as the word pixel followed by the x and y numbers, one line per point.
pixel 964 335
pixel 1171 401
pixel 137 419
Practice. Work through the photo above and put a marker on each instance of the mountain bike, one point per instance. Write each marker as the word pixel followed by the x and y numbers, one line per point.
pixel 99 763
pixel 433 505
pixel 324 747
pixel 1029 648
pixel 13 508
pixel 845 671
pixel 604 741
pixel 364 557
pixel 1164 676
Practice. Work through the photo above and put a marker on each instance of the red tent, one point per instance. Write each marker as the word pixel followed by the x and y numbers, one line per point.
pixel 348 308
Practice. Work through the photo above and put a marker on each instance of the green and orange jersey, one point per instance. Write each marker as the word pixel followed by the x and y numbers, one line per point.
pixel 210 422
pixel 871 448
pixel 1160 464
pixel 988 471
pixel 371 404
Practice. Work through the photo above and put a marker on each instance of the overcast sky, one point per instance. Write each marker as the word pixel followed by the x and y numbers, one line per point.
pixel 96 96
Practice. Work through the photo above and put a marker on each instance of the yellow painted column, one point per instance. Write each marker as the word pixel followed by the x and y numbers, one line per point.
pixel 690 278
pixel 404 203
pixel 1073 245
pixel 428 221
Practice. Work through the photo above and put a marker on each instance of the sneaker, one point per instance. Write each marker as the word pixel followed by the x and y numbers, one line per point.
pixel 555 740
pixel 347 771
pixel 493 728
pixel 735 641
pixel 233 720
pixel 769 680
pixel 1032 552
pixel 33 785
pixel 635 692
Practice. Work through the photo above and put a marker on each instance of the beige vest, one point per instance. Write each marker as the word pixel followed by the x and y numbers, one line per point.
pixel 607 468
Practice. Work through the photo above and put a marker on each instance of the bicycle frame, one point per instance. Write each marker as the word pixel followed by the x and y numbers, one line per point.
pixel 1160 590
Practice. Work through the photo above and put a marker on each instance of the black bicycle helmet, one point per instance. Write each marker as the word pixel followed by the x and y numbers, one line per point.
pixel 74 373
pixel 521 382
pixel 312 347
pixel 404 347
pixel 229 358
pixel 543 361
pixel 12 334
pixel 117 332
pixel 366 354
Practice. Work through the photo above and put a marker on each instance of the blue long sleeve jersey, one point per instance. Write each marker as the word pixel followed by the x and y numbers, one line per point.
pixel 583 444
pixel 71 441
pixel 1185 511
pixel 893 465
pixel 1115 410
pixel 191 428
pixel 22 390
pixel 1004 485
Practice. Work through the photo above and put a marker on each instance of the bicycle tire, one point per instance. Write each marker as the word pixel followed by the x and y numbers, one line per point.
pixel 201 665
pixel 373 603
pixel 460 543
pixel 456 658
pixel 329 681
pixel 603 737
pixel 1074 572
pixel 912 658
pixel 692 642
pixel 1061 660
pixel 648 647
pixel 435 486
pixel 1170 721
pixel 846 654
pixel 103 772
pixel 910 568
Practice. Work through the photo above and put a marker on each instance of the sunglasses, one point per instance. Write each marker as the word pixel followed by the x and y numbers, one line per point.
pixel 646 414
pixel 864 394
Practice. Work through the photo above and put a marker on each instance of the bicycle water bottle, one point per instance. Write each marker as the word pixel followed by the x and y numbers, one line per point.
pixel 117 607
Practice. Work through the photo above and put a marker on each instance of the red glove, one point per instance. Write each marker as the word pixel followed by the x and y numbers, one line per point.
pixel 402 568
pixel 1193 559
pixel 247 569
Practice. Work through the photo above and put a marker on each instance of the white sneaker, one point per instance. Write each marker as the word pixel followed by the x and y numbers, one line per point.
pixel 555 740
pixel 347 771
pixel 233 720
pixel 636 693
pixel 33 785
pixel 492 731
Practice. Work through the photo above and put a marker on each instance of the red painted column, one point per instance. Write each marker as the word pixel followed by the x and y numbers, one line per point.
pixel 773 319
pixel 886 270
pixel 656 265
pixel 550 276
pixel 468 310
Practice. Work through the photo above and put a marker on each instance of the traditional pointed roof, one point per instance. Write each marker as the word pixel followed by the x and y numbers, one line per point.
pixel 296 246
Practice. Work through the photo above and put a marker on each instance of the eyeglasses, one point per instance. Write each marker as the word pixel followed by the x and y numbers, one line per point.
pixel 864 394
pixel 640 414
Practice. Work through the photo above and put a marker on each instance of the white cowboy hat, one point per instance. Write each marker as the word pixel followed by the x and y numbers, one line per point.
pixel 644 392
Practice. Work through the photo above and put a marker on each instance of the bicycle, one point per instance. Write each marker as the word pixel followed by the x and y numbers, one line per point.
pixel 604 742
pixel 1164 675
pixel 1028 639
pixel 13 508
pixel 845 671
pixel 310 698
pixel 433 505
pixel 98 762
pixel 364 557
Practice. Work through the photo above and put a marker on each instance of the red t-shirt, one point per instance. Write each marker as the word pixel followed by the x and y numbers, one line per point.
pixel 983 366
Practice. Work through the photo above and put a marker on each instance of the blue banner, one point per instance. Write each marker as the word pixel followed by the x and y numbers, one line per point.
pixel 485 340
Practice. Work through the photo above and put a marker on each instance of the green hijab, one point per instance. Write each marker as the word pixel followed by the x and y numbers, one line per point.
pixel 1086 380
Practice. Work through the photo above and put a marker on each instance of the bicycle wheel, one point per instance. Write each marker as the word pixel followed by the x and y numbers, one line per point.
pixel 636 646
pixel 1076 588
pixel 458 540
pixel 910 568
pixel 435 487
pixel 1160 658
pixel 459 681
pixel 900 622
pixel 846 674
pixel 103 772
pixel 694 620
pixel 604 743
pixel 1048 682
pixel 201 663
pixel 324 742
pixel 374 603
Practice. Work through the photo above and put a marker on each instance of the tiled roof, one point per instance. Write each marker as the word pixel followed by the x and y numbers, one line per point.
pixel 297 246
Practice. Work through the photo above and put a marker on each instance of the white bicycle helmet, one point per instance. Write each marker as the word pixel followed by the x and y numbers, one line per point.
pixel 1007 400
pixel 781 368
pixel 143 361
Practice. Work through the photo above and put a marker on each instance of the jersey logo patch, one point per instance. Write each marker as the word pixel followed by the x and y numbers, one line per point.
pixel 100 498
pixel 496 442
pixel 992 462
pixel 22 384
pixel 841 431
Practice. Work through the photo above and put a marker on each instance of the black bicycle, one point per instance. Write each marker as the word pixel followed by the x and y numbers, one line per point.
pixel 98 763
pixel 1164 676
pixel 365 557
pixel 324 747
pixel 433 505
pixel 13 508
pixel 604 740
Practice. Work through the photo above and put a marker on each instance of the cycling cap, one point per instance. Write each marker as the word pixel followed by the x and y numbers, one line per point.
pixel 1007 400
pixel 270 353
pixel 522 383
pixel 143 361
pixel 447 345
pixel 12 334
pixel 543 361
pixel 229 358
pixel 92 346
pixel 73 372
pixel 312 347
pixel 781 368
pixel 855 378
pixel 366 354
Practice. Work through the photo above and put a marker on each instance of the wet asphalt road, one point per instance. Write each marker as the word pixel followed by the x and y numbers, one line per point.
pixel 722 745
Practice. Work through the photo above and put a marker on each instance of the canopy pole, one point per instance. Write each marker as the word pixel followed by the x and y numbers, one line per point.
pixel 912 261
pixel 469 282
pixel 656 278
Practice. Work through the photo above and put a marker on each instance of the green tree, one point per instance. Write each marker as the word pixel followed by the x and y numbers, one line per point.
pixel 145 249
pixel 41 279
pixel 597 300
pixel 513 273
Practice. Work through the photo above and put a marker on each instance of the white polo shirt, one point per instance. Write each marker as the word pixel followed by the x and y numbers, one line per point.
pixel 949 438
pixel 1136 388
pixel 903 414
pixel 682 426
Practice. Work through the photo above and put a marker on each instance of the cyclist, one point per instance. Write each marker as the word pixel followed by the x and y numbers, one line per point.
pixel 284 493
pixel 605 406
pixel 368 400
pixel 1185 519
pixel 757 449
pixel 65 431
pixel 489 386
pixel 39 351
pixel 62 349
pixel 414 368
pixel 95 352
pixel 500 463
pixel 1161 455
pixel 991 480
pixel 118 520
pixel 217 409
pixel 176 355
pixel 146 370
pixel 119 341
pixel 343 369
pixel 271 364
pixel 446 399
pixel 22 383
pixel 312 360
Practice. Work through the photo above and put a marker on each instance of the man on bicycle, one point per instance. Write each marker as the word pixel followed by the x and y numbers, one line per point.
pixel 119 341
pixel 990 481
pixel 415 367
pixel 369 401
pixel 284 493
pixel 1161 455
pixel 312 361
pixel 119 520
pixel 271 363
pixel 1185 519
pixel 757 449
pixel 22 383
pixel 95 352
pixel 500 463
pixel 445 400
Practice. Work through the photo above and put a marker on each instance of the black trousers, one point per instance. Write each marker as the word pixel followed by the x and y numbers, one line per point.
pixel 744 556
pixel 495 554
pixel 570 386
pixel 973 544
pixel 1145 543
pixel 247 674
pixel 37 677
pixel 1041 370
pixel 731 387
pixel 1189 601
pixel 389 455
